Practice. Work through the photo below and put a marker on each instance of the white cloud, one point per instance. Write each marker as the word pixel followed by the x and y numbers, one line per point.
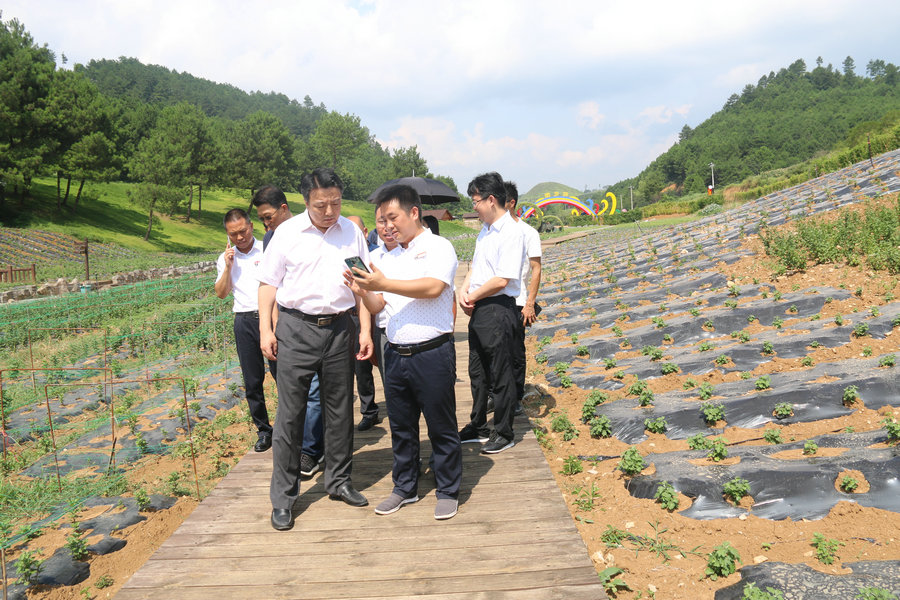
pixel 589 115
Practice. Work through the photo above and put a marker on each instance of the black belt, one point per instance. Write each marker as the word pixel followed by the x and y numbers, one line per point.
pixel 502 300
pixel 410 349
pixel 319 320
pixel 248 313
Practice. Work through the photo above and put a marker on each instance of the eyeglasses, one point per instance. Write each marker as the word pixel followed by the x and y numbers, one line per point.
pixel 475 202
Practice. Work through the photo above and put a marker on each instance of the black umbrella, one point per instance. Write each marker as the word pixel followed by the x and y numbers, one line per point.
pixel 431 191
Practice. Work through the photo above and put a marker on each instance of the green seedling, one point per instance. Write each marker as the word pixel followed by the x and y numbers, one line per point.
pixel 826 549
pixel 783 410
pixel 721 561
pixel 717 450
pixel 631 462
pixel 706 391
pixel 572 466
pixel 888 360
pixel 736 489
pixel 698 442
pixel 666 496
pixel 712 412
pixel 657 425
pixel 600 427
pixel 810 448
pixel 772 436
pixel 850 395
pixel 751 592
pixel 669 368
pixel 848 484
pixel 763 383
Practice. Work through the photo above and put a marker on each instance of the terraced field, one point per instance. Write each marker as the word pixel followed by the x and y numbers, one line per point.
pixel 688 366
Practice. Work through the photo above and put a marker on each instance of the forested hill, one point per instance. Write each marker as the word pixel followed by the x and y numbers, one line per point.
pixel 129 78
pixel 786 118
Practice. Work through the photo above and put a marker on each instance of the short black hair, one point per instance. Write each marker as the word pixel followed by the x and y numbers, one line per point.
pixel 321 178
pixel 432 223
pixel 406 197
pixel 271 195
pixel 235 214
pixel 488 184
pixel 512 192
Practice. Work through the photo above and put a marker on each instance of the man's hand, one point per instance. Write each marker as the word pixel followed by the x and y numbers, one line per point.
pixel 229 255
pixel 465 303
pixel 268 343
pixel 366 347
pixel 528 316
pixel 372 282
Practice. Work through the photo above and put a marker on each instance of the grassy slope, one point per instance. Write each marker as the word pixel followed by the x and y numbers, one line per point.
pixel 115 219
pixel 548 187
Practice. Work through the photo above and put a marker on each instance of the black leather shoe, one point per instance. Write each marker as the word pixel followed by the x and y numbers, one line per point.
pixel 264 442
pixel 282 519
pixel 348 494
pixel 368 422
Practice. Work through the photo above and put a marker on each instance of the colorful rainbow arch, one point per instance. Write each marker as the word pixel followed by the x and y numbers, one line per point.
pixel 574 202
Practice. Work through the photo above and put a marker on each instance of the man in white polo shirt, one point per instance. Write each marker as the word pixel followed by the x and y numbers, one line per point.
pixel 415 288
pixel 236 273
pixel 488 296
pixel 525 301
pixel 302 269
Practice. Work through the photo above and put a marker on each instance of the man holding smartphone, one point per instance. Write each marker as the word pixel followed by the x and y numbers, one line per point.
pixel 415 287
pixel 302 270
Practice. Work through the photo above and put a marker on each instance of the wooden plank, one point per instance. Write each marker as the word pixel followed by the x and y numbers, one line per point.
pixel 513 538
pixel 461 587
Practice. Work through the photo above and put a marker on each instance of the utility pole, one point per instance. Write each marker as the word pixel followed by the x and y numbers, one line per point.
pixel 712 169
pixel 631 190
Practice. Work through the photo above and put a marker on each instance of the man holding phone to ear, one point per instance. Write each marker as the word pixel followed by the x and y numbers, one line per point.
pixel 237 268
pixel 302 270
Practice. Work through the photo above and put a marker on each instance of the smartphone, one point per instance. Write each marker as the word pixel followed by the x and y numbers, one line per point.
pixel 355 261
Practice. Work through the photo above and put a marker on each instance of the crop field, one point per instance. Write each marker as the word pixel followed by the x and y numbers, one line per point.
pixel 113 404
pixel 720 400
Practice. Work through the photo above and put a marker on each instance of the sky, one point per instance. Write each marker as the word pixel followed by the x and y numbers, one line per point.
pixel 584 93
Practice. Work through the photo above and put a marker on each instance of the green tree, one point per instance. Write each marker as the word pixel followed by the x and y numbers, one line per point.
pixel 339 138
pixel 258 150
pixel 26 70
pixel 407 162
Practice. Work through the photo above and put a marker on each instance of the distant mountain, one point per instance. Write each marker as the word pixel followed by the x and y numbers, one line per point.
pixel 786 118
pixel 130 78
pixel 548 187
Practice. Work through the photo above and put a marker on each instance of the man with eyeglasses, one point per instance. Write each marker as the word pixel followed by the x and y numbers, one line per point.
pixel 237 273
pixel 302 270
pixel 273 210
pixel 488 296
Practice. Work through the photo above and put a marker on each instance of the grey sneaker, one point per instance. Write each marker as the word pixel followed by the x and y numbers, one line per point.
pixel 393 504
pixel 308 465
pixel 446 508
pixel 496 444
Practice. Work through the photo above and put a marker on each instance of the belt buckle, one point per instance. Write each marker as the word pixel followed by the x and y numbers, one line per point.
pixel 323 321
pixel 404 350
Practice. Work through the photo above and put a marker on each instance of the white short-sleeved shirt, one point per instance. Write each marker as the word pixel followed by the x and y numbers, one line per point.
pixel 416 320
pixel 378 256
pixel 244 282
pixel 532 250
pixel 499 249
pixel 307 266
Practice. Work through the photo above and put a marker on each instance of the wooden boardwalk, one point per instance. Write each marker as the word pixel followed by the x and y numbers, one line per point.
pixel 512 539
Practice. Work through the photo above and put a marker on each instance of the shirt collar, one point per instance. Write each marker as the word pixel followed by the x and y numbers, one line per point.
pixel 256 242
pixel 419 239
pixel 501 222
pixel 306 223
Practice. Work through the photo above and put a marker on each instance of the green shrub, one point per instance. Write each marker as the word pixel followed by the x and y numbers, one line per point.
pixel 600 427
pixel 806 361
pixel 772 436
pixel 783 410
pixel 718 451
pixel 810 448
pixel 888 360
pixel 848 484
pixel 28 567
pixel 826 549
pixel 751 592
pixel 689 383
pixel 572 466
pixel 609 363
pixel 850 395
pixel 631 462
pixel 763 383
pixel 723 359
pixel 698 442
pixel 657 425
pixel 778 322
pixel 892 428
pixel 712 412
pixel 561 367
pixel 595 398
pixel 721 561
pixel 861 329
pixel 736 489
pixel 705 346
pixel 706 391
pixel 669 368
pixel 637 388
pixel 873 593
pixel 582 351
pixel 767 348
pixel 838 320
pixel 666 496
pixel 646 398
